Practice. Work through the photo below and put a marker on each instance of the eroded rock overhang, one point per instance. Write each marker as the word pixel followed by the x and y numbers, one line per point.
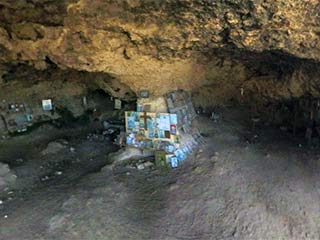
pixel 221 49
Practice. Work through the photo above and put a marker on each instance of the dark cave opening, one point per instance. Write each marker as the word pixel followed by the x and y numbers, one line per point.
pixel 278 90
pixel 76 97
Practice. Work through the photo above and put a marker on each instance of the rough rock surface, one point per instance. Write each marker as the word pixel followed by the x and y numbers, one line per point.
pixel 212 46
pixel 127 154
pixel 7 178
pixel 245 192
pixel 55 147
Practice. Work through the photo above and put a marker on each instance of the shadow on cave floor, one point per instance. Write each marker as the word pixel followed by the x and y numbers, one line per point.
pixel 49 156
pixel 231 188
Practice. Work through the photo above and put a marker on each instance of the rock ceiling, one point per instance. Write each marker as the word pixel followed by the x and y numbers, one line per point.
pixel 212 47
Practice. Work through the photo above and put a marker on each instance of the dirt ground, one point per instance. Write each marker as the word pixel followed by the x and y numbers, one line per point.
pixel 241 184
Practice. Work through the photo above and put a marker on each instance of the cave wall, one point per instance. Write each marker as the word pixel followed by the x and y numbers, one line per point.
pixel 25 87
pixel 212 48
pixel 21 82
pixel 254 77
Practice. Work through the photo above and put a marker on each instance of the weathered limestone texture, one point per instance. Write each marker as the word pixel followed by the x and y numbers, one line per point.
pixel 213 48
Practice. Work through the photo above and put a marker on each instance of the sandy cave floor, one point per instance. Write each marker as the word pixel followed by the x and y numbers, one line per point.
pixel 233 188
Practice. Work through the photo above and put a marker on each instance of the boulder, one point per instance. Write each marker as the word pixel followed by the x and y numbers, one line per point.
pixel 126 154
pixel 4 169
pixel 7 178
pixel 55 147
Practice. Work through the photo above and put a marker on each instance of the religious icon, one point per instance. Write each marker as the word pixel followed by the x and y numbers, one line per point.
pixel 173 129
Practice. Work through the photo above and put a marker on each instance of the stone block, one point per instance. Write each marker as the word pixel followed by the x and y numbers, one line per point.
pixel 4 169
pixel 154 104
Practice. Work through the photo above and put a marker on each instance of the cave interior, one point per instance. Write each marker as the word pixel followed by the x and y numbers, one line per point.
pixel 70 73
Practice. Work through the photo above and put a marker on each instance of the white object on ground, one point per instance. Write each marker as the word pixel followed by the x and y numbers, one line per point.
pixel 148 164
pixel 140 166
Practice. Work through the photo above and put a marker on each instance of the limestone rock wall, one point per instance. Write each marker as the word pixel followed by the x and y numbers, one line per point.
pixel 25 87
pixel 203 46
